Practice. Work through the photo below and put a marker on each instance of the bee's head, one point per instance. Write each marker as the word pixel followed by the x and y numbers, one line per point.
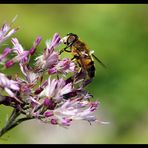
pixel 69 39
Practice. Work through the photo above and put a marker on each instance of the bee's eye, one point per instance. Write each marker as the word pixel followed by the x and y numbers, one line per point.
pixel 71 39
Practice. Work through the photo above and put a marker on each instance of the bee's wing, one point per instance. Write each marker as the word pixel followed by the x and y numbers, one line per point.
pixel 99 61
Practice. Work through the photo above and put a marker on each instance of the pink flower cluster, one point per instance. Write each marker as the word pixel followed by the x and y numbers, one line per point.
pixel 44 91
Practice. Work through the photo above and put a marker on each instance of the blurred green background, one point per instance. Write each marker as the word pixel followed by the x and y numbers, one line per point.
pixel 118 33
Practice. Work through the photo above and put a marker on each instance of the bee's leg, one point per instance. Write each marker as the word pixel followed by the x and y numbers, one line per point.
pixel 84 76
pixel 75 59
pixel 72 59
pixel 86 82
pixel 80 68
pixel 64 49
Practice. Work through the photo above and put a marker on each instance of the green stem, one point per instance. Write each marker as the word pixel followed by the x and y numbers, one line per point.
pixel 10 121
pixel 18 122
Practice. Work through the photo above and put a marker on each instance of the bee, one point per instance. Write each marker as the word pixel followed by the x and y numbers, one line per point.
pixel 82 54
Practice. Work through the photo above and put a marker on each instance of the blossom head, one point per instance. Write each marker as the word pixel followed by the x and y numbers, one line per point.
pixel 52 90
pixel 49 58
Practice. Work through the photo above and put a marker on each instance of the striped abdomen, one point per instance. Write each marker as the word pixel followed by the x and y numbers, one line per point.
pixel 88 65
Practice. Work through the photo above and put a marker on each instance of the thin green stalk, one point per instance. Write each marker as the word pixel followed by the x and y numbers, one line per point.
pixel 12 118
